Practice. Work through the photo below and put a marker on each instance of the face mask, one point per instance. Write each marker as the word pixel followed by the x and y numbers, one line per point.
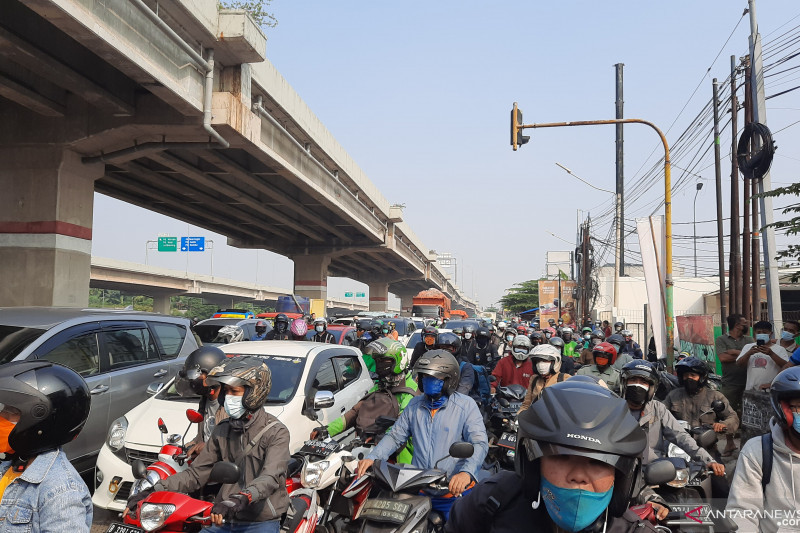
pixel 787 335
pixel 509 338
pixel 796 422
pixel 543 368
pixel 764 337
pixel 467 336
pixel 6 427
pixel 574 509
pixel 636 393
pixel 601 361
pixel 432 387
pixel 587 337
pixel 233 406
pixel 691 386
pixel 385 331
pixel 595 342
pixel 319 329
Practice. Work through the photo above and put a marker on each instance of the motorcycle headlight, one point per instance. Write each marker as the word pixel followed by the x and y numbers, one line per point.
pixel 312 473
pixel 681 478
pixel 116 434
pixel 153 515
pixel 675 451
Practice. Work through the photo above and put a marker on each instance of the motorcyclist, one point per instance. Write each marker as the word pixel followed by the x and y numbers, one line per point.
pixel 567 363
pixel 391 328
pixel 597 336
pixel 576 471
pixel 603 368
pixel 261 331
pixel 484 353
pixel 495 337
pixel 435 420
pixel 638 382
pixel 631 347
pixel 321 332
pixel 363 334
pixel 426 342
pixel 253 439
pixel 378 329
pixel 618 327
pixel 546 362
pixel 586 338
pixel 192 380
pixel 43 406
pixel 389 398
pixel 500 334
pixel 517 368
pixel 281 330
pixel 535 325
pixel 298 329
pixel 623 358
pixel 505 347
pixel 537 338
pixel 570 345
pixel 468 341
pixel 549 333
pixel 451 343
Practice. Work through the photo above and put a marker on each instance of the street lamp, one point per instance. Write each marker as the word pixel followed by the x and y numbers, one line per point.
pixel 694 225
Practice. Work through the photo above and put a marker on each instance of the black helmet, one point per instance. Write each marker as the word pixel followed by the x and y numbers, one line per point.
pixel 469 331
pixel 53 402
pixel 617 341
pixel 363 324
pixel 537 337
pixel 441 365
pixel 558 342
pixel 583 419
pixel 199 361
pixel 281 322
pixel 248 372
pixel 618 326
pixel 643 369
pixel 691 364
pixel 483 333
pixel 448 341
pixel 785 386
pixel 597 333
pixel 376 326
pixel 261 327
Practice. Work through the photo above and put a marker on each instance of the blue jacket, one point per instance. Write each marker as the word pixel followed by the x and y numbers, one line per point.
pixel 459 419
pixel 49 497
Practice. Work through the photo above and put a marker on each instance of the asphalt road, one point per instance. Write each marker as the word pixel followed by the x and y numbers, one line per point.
pixel 102 519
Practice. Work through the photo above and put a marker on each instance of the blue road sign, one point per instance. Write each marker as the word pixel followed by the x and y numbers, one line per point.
pixel 193 244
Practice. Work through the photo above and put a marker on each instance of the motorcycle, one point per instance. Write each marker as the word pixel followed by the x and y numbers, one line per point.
pixel 166 511
pixel 503 424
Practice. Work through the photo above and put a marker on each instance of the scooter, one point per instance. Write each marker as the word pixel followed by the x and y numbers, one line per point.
pixel 503 424
pixel 166 511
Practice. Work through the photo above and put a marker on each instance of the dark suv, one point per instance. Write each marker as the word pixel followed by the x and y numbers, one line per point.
pixel 118 352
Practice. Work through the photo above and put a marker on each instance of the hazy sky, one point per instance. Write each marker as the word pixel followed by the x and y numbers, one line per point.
pixel 419 94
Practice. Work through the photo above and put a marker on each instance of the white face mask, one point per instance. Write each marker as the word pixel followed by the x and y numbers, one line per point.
pixel 233 406
pixel 467 336
pixel 543 368
pixel 319 329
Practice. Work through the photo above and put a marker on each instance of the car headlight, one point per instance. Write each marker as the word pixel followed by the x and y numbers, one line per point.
pixel 681 478
pixel 312 473
pixel 153 515
pixel 116 434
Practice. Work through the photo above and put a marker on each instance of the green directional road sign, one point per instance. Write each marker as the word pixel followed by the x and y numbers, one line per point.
pixel 167 244
pixel 348 295
pixel 360 295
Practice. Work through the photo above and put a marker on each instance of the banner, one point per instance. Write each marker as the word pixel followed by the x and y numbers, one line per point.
pixel 697 337
pixel 548 293
pixel 652 245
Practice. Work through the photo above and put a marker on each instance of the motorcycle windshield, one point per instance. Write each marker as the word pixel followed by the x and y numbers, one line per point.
pixel 400 477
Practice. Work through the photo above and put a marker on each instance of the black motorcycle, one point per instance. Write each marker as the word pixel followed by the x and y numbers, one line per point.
pixel 502 424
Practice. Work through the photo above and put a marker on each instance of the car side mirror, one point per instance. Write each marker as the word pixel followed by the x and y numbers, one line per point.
pixel 659 472
pixel 154 388
pixel 323 399
pixel 461 450
pixel 224 472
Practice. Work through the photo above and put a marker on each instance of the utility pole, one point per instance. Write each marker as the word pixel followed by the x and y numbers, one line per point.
pixel 723 304
pixel 585 271
pixel 747 309
pixel 620 266
pixel 735 271
pixel 764 184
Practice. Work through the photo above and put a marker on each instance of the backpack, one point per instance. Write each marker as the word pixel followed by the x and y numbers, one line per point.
pixel 766 459
pixel 482 387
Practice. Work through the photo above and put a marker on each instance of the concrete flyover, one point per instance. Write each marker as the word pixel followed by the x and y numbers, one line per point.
pixel 163 283
pixel 173 107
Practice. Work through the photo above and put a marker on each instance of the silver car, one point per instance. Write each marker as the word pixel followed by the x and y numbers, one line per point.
pixel 119 353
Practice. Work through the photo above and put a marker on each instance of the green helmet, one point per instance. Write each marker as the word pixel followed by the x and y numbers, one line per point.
pixel 390 349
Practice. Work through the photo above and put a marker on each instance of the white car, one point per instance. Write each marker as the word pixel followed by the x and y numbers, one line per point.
pixel 300 370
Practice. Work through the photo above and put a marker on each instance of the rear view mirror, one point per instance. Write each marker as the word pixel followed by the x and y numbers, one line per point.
pixel 461 450
pixel 707 438
pixel 659 472
pixel 138 469
pixel 194 416
pixel 323 399
pixel 154 388
pixel 718 406
pixel 224 472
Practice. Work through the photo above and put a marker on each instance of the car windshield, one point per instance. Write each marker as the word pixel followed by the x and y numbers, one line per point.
pixel 208 332
pixel 14 339
pixel 400 326
pixel 429 311
pixel 337 334
pixel 286 372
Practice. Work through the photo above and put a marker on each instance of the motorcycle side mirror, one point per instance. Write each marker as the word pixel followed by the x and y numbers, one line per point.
pixel 224 473
pixel 659 472
pixel 162 427
pixel 718 406
pixel 461 450
pixel 385 422
pixel 194 416
pixel 503 402
pixel 138 469
pixel 492 379
pixel 707 438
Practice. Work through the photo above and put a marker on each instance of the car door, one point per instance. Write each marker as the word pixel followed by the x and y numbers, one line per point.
pixel 78 348
pixel 349 371
pixel 323 377
pixel 170 338
pixel 131 357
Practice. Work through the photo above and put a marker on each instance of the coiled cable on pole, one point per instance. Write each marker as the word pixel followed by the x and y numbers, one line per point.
pixel 755 165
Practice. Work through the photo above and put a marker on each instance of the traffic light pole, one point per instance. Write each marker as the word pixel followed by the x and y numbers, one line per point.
pixel 517 128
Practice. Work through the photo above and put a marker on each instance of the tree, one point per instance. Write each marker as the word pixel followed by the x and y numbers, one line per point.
pixel 790 226
pixel 256 8
pixel 522 296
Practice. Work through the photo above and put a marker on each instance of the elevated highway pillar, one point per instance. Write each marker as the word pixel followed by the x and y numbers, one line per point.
pixel 161 303
pixel 311 276
pixel 378 295
pixel 406 303
pixel 45 225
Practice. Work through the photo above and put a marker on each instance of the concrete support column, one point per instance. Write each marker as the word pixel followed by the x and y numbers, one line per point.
pixel 311 276
pixel 161 304
pixel 45 225
pixel 406 302
pixel 378 295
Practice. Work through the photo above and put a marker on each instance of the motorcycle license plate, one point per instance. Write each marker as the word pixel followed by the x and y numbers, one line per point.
pixel 319 448
pixel 692 513
pixel 386 511
pixel 508 440
pixel 116 527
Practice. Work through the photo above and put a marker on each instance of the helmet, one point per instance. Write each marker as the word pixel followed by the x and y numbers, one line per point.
pixel 483 333
pixel 521 347
pixel 501 325
pixel 537 337
pixel 509 332
pixel 618 326
pixel 785 386
pixel 261 327
pixel 469 331
pixel 200 361
pixel 547 352
pixel 375 326
pixel 626 333
pixel 228 334
pixel 604 350
pixel 558 342
pixel 598 334
pixel 535 324
pixel 551 321
pixel 566 331
pixel 691 364
pixel 441 365
pixel 643 369
pixel 248 372
pixel 581 419
pixel 458 331
pixel 617 341
pixel 320 325
pixel 586 329
pixel 429 334
pixel 449 342
pixel 388 354
pixel 491 328
pixel 682 356
pixel 522 330
pixel 299 327
pixel 53 402
pixel 392 326
pixel 281 322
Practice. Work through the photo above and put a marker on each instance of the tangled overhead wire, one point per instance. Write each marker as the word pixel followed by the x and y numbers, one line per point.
pixel 755 165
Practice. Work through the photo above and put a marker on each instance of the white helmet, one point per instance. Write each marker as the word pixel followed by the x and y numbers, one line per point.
pixel 549 353
pixel 320 325
pixel 521 347
pixel 501 325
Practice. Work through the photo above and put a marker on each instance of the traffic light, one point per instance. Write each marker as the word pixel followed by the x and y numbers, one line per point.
pixel 517 138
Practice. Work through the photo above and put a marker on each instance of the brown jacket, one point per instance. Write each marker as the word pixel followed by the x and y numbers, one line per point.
pixel 537 384
pixel 689 408
pixel 263 470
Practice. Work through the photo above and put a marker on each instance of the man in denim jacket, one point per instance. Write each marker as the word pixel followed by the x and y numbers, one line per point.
pixel 42 407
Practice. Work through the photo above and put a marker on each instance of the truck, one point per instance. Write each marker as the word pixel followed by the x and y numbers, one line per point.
pixel 431 303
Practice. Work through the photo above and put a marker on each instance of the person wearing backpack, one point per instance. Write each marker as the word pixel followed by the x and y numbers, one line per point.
pixel 765 478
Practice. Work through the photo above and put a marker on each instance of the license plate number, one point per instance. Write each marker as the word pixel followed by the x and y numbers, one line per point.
pixel 386 510
pixel 319 448
pixel 116 527
pixel 508 440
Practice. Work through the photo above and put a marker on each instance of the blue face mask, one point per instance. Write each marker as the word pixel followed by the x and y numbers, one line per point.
pixel 787 335
pixel 432 386
pixel 764 337
pixel 574 509
pixel 796 422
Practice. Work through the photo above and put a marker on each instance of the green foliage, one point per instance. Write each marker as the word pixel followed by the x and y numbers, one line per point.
pixel 790 226
pixel 491 309
pixel 522 296
pixel 256 8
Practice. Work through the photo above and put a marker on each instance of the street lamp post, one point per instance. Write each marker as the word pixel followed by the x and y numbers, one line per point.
pixel 694 225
